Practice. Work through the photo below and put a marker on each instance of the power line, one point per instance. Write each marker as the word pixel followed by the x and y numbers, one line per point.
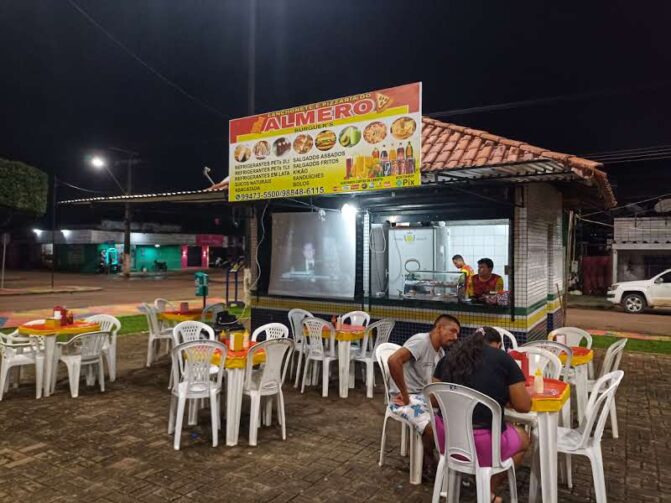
pixel 137 58
pixel 62 182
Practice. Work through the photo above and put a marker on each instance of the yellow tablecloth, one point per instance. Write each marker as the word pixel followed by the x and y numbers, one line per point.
pixel 581 356
pixel 190 315
pixel 347 333
pixel 555 396
pixel 238 359
pixel 78 327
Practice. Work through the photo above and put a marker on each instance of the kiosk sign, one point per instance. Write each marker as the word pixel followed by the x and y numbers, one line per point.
pixel 368 141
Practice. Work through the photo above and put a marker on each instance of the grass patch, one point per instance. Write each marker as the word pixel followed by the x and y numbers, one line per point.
pixel 137 323
pixel 644 346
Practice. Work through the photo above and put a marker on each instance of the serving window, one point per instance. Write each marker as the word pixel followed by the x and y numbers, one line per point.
pixel 413 261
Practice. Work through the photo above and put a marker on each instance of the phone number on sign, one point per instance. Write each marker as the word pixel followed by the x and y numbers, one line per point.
pixel 310 191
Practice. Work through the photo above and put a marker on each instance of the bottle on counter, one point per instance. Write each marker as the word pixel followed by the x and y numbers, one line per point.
pixel 538 382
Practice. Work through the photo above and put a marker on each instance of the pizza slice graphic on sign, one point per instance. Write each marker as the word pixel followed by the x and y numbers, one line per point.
pixel 382 101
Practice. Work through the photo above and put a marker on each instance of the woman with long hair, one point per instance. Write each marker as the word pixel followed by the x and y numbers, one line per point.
pixel 478 363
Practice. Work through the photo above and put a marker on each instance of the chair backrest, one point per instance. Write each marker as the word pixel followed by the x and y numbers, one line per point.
pixel 210 312
pixel 361 318
pixel 152 318
pixel 556 348
pixel 271 375
pixel 296 317
pixel 539 358
pixel 506 337
pixel 271 331
pixel 107 323
pixel 382 330
pixel 192 362
pixel 188 331
pixel 313 330
pixel 574 336
pixel 456 404
pixel 382 354
pixel 89 345
pixel 598 407
pixel 163 305
pixel 611 362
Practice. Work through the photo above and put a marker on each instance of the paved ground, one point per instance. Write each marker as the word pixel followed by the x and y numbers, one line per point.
pixel 113 446
pixel 130 292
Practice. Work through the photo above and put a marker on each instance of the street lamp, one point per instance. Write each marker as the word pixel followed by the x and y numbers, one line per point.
pixel 131 160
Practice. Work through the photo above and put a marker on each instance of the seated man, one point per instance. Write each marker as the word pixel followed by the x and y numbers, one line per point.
pixel 411 368
pixel 484 281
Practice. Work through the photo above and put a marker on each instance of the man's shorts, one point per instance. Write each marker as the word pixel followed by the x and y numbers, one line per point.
pixel 416 412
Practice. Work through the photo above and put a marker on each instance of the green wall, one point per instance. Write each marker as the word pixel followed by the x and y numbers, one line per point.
pixel 77 258
pixel 145 256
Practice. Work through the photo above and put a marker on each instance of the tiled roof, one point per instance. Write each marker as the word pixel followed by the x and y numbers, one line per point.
pixel 449 146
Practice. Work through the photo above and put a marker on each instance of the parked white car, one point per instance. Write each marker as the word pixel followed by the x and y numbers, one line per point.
pixel 635 296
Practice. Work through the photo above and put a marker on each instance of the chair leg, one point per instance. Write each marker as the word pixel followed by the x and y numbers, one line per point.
pixel 74 370
pixel 613 419
pixel 111 361
pixel 213 417
pixel 438 483
pixel 596 461
pixel 483 479
pixel 17 380
pixel 173 411
pixel 150 351
pixel 254 407
pixel 569 471
pixel 453 486
pixel 305 374
pixel 512 485
pixel 4 372
pixel 101 374
pixel 181 403
pixel 39 376
pixel 298 368
pixel 268 419
pixel 281 415
pixel 404 439
pixel 383 440
pixel 325 378
pixel 370 376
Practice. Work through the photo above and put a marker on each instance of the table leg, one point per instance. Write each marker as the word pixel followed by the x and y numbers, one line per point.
pixel 547 450
pixel 581 390
pixel 343 367
pixel 234 383
pixel 49 353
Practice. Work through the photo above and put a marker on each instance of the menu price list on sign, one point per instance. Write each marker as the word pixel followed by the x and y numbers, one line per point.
pixel 369 141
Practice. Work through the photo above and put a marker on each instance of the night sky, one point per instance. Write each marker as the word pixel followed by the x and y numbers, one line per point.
pixel 67 89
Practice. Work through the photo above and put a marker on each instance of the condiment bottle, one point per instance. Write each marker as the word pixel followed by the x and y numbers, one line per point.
pixel 538 382
pixel 245 340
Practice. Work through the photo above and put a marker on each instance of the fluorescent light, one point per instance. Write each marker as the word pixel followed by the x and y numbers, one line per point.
pixel 38 232
pixel 348 210
pixel 66 233
pixel 157 245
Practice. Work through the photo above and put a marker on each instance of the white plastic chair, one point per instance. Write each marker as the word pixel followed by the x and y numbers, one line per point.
pixel 551 367
pixel 361 318
pixel 376 334
pixel 84 350
pixel 267 382
pixel 156 333
pixel 271 331
pixel 17 351
pixel 611 363
pixel 456 404
pixel 317 353
pixel 382 354
pixel 555 348
pixel 211 311
pixel 586 440
pixel 506 336
pixel 111 325
pixel 189 331
pixel 191 364
pixel 575 337
pixel 296 317
pixel 162 305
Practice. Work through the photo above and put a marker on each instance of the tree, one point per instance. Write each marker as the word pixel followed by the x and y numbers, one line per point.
pixel 23 193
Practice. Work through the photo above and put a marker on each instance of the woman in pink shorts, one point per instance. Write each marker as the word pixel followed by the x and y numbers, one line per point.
pixel 479 363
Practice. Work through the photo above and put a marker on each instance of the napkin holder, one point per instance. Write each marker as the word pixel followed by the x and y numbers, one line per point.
pixel 235 340
pixel 184 307
pixel 52 323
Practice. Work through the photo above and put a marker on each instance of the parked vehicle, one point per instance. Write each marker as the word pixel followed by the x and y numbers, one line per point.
pixel 636 296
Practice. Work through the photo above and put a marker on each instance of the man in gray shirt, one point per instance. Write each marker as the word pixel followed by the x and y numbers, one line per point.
pixel 411 368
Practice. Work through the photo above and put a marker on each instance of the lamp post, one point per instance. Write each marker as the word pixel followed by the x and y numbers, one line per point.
pixel 130 161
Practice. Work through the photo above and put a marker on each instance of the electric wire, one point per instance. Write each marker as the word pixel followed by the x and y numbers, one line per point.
pixel 137 58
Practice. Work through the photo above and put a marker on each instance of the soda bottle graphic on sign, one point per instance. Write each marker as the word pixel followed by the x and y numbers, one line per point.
pixel 409 159
pixel 384 161
pixel 400 154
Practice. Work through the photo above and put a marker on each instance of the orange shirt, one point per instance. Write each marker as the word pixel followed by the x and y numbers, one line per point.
pixel 468 270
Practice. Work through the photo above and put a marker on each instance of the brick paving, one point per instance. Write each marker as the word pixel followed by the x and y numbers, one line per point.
pixel 114 446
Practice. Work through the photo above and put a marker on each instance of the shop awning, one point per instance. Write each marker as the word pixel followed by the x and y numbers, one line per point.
pixel 453 154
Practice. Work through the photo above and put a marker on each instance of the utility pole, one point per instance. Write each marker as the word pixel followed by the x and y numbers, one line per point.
pixel 53 229
pixel 127 220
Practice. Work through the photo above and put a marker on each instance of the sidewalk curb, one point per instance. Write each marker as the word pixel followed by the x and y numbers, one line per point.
pixel 8 292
